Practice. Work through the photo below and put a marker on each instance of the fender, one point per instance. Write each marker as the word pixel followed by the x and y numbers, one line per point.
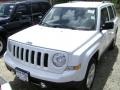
pixel 86 53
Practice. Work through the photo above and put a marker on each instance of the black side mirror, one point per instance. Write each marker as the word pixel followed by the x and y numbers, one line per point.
pixel 107 25
pixel 40 19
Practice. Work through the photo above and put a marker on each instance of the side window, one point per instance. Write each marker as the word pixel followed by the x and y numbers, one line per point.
pixel 104 16
pixel 114 10
pixel 40 7
pixel 44 7
pixel 111 13
pixel 22 9
pixel 36 8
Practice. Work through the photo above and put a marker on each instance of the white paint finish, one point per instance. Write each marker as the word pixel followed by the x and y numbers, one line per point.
pixel 83 4
pixel 78 46
pixel 50 68
pixel 66 76
pixel 54 38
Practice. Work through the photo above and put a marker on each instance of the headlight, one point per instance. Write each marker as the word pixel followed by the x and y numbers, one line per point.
pixel 59 60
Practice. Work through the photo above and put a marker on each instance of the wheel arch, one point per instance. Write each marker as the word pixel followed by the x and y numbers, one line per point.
pixel 3 33
pixel 87 60
pixel 95 56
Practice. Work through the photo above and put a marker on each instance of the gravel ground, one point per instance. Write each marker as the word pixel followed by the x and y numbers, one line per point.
pixel 107 75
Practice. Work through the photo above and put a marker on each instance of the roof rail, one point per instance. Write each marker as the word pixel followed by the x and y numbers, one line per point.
pixel 77 0
pixel 72 1
pixel 106 1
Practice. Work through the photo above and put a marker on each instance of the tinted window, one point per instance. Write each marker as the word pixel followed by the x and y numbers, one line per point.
pixel 44 7
pixel 104 16
pixel 6 9
pixel 40 7
pixel 114 10
pixel 23 9
pixel 111 13
pixel 36 8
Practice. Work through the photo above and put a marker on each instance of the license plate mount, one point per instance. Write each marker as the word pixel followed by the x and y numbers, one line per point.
pixel 22 74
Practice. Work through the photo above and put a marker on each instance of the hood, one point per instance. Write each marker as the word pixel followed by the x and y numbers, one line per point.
pixel 3 20
pixel 53 38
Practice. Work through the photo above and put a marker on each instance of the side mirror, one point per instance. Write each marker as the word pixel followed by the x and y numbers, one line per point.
pixel 40 19
pixel 107 25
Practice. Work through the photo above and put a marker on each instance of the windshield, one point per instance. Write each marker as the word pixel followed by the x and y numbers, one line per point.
pixel 73 18
pixel 6 9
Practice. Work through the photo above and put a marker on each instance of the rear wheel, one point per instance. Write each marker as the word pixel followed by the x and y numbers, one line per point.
pixel 113 43
pixel 2 46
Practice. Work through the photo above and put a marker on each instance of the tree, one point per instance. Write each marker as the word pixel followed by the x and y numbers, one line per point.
pixel 117 3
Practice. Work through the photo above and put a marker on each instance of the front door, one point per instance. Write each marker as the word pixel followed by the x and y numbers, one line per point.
pixel 104 18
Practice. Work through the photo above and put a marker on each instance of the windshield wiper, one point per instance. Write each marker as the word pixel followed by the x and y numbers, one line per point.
pixel 52 25
pixel 46 24
pixel 83 28
pixel 63 26
pixel 57 26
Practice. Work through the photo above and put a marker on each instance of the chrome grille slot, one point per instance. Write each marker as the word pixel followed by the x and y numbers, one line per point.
pixel 33 57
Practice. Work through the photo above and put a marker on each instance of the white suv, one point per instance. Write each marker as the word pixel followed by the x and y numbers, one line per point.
pixel 65 47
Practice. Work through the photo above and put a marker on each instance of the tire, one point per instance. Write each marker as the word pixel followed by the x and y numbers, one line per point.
pixel 88 81
pixel 3 45
pixel 113 43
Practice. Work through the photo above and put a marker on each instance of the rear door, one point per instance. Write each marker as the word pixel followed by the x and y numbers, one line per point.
pixel 104 18
pixel 112 18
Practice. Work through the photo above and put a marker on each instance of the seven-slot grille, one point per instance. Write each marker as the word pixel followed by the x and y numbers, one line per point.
pixel 30 56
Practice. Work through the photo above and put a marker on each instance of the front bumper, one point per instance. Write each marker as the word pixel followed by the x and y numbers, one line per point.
pixel 48 83
pixel 37 75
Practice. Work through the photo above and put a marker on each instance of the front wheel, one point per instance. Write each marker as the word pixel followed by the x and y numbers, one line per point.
pixel 89 77
pixel 2 46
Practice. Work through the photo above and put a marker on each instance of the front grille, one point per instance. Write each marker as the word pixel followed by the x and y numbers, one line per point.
pixel 30 56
